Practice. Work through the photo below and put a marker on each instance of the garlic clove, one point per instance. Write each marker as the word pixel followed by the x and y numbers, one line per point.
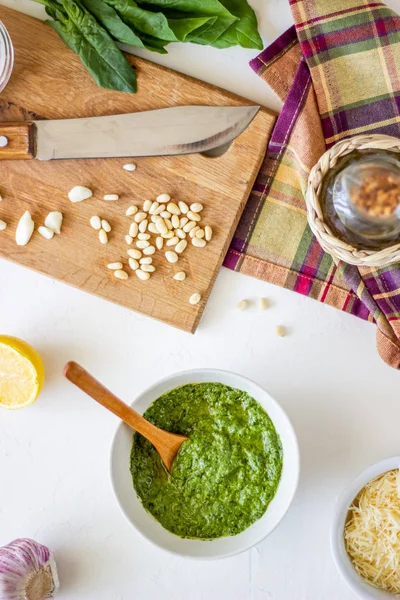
pixel 27 571
pixel 53 221
pixel 25 229
pixel 79 193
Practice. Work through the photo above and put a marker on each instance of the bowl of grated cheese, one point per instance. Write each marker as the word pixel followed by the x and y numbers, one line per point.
pixel 365 535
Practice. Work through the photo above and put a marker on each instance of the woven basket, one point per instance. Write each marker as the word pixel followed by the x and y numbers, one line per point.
pixel 337 248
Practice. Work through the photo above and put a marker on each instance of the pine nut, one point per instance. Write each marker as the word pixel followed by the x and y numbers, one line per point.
pixel 159 210
pixel 161 226
pixel 134 253
pixel 129 167
pixel 150 250
pixel 132 210
pixel 153 207
pixel 142 244
pixel 195 298
pixel 152 228
pixel 175 221
pixel 43 230
pixel 183 207
pixel 168 236
pixel 198 243
pixel 180 247
pixel 154 219
pixel 280 331
pixel 140 216
pixel 173 208
pixel 146 260
pixel 144 236
pixel 171 256
pixel 194 231
pixel 133 229
pixel 180 233
pixel 148 268
pixel 106 225
pixel 173 241
pixel 142 274
pixel 193 216
pixel 242 305
pixel 165 214
pixel 263 303
pixel 111 197
pixel 181 276
pixel 147 205
pixel 120 274
pixel 129 239
pixel 159 243
pixel 208 233
pixel 115 266
pixel 103 237
pixel 168 223
pixel 200 233
pixel 95 222
pixel 196 207
pixel 183 222
pixel 133 263
pixel 189 226
pixel 3 225
pixel 163 198
pixel 143 226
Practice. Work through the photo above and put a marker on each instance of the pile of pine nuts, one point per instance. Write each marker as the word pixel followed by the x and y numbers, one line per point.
pixel 160 225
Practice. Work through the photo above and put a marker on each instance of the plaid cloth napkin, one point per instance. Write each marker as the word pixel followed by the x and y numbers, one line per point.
pixel 337 72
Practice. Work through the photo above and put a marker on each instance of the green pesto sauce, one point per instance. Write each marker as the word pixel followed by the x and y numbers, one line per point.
pixel 224 476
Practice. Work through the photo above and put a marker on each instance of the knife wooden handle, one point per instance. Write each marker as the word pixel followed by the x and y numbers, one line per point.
pixel 17 141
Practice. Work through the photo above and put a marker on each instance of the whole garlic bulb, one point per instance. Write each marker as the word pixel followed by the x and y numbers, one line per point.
pixel 27 571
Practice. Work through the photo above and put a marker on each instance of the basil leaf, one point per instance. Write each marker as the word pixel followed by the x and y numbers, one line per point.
pixel 243 32
pixel 111 21
pixel 97 51
pixel 220 17
pixel 150 23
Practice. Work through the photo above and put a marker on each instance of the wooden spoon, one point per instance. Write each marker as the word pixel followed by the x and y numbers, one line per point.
pixel 167 444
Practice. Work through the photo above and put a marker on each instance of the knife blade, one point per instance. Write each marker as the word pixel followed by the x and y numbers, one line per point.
pixel 167 131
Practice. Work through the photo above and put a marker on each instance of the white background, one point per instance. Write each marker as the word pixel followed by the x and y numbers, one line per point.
pixel 342 399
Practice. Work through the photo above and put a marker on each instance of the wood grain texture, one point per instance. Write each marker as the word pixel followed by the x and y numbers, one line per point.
pixel 49 80
pixel 20 137
pixel 167 444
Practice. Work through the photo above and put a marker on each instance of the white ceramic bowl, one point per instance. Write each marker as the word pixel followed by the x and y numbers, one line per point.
pixel 221 547
pixel 341 558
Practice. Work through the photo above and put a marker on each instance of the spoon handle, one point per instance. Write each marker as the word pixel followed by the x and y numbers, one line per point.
pixel 88 384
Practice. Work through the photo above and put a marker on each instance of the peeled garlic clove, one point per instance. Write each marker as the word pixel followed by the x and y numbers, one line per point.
pixel 25 229
pixel 79 193
pixel 27 571
pixel 53 221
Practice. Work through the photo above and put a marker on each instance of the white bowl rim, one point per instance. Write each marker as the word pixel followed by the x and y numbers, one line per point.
pixel 343 503
pixel 296 460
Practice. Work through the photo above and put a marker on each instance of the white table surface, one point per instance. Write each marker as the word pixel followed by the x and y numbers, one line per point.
pixel 343 401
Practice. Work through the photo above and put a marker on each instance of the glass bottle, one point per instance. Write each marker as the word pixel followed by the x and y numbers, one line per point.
pixel 361 199
pixel 6 56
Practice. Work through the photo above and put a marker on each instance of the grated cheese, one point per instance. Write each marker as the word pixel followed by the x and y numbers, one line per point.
pixel 372 532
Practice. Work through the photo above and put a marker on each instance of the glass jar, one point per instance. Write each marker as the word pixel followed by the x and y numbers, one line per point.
pixel 6 56
pixel 362 199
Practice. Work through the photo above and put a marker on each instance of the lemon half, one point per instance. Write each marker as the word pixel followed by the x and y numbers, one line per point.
pixel 21 373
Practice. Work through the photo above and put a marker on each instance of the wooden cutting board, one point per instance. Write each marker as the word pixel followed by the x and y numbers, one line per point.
pixel 49 81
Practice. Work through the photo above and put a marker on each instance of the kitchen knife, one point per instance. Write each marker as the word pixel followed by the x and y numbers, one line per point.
pixel 168 131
